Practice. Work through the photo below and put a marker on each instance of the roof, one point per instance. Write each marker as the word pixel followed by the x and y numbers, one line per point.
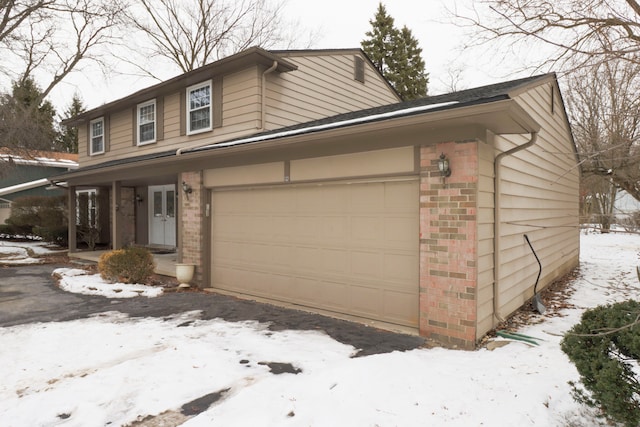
pixel 40 158
pixel 463 98
pixel 427 105
pixel 253 55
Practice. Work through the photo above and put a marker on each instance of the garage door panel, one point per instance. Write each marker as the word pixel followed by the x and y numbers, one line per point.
pixel 366 301
pixel 398 231
pixel 366 229
pixel 400 268
pixel 399 307
pixel 349 248
pixel 336 261
pixel 367 264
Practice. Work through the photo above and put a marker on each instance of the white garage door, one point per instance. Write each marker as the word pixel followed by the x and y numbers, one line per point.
pixel 344 247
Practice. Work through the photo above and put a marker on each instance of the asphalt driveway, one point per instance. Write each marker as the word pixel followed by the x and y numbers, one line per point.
pixel 29 294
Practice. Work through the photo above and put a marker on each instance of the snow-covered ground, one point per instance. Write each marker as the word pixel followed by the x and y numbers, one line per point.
pixel 113 370
pixel 22 253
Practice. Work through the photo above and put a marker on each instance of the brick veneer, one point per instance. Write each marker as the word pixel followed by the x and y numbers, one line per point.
pixel 448 244
pixel 191 214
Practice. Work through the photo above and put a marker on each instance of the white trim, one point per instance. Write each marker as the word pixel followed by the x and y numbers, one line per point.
pixel 24 186
pixel 40 161
pixel 90 136
pixel 188 107
pixel 155 122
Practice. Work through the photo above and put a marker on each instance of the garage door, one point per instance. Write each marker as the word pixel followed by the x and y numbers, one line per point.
pixel 349 248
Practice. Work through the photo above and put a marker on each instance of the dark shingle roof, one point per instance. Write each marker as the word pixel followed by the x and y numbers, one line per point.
pixel 463 98
pixel 479 95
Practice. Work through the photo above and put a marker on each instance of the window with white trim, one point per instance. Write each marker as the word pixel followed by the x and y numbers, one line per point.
pixel 96 136
pixel 199 108
pixel 147 122
pixel 86 208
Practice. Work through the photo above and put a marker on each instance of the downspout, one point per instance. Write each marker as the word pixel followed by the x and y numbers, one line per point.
pixel 497 230
pixel 263 95
pixel 263 105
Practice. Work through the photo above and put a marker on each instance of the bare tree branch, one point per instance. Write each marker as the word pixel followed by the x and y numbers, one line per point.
pixel 192 34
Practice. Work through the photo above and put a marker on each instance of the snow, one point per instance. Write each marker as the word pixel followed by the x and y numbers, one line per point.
pixel 19 253
pixel 79 281
pixel 113 370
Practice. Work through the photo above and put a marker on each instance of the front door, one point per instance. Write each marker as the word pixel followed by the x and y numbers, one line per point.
pixel 162 212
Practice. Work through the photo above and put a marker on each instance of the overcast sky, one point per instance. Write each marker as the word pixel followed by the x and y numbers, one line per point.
pixel 343 24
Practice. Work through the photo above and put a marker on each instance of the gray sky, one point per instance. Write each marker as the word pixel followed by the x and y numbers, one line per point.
pixel 342 24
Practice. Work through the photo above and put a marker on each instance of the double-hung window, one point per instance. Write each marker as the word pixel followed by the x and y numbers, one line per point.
pixel 96 136
pixel 147 122
pixel 199 108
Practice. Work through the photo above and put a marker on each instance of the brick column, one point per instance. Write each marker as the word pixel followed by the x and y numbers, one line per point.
pixel 448 244
pixel 191 223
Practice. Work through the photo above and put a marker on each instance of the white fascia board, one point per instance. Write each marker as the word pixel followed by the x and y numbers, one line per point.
pixel 24 186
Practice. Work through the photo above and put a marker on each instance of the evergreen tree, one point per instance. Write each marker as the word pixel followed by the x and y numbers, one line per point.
pixel 26 122
pixel 397 55
pixel 67 140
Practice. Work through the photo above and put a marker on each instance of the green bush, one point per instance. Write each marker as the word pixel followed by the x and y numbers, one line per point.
pixel 39 216
pixel 604 346
pixel 129 265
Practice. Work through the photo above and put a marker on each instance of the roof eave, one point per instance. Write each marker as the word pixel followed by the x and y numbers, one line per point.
pixel 251 56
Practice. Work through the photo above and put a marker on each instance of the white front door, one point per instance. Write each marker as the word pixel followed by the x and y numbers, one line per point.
pixel 162 215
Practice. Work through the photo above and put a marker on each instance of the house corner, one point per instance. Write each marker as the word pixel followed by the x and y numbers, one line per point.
pixel 448 244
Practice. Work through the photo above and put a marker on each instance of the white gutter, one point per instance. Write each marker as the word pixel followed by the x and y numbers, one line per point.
pixel 24 186
pixel 333 125
pixel 497 230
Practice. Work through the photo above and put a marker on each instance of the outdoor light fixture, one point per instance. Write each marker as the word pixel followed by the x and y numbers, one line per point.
pixel 187 189
pixel 139 199
pixel 443 166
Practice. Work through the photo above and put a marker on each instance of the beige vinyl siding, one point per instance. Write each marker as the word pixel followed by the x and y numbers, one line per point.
pixel 323 86
pixel 485 239
pixel 540 199
pixel 240 112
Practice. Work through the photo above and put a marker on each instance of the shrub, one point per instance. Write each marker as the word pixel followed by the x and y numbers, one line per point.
pixel 605 346
pixel 129 265
pixel 44 217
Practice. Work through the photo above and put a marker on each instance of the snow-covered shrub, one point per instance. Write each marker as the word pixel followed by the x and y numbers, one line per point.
pixel 129 265
pixel 605 347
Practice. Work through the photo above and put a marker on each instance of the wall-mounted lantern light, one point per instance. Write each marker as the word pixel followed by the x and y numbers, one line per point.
pixel 139 199
pixel 187 189
pixel 443 166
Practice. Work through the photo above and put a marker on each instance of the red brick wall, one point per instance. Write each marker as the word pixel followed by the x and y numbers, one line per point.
pixel 191 214
pixel 448 244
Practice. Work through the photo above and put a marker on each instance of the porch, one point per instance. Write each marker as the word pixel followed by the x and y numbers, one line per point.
pixel 165 262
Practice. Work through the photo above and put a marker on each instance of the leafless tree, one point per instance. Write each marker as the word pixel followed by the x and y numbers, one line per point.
pixel 49 39
pixel 604 111
pixel 579 32
pixel 190 34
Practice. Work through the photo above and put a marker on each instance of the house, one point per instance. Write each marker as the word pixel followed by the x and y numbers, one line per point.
pixel 299 178
pixel 26 173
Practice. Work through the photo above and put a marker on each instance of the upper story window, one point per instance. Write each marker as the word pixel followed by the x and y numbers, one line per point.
pixel 147 122
pixel 96 133
pixel 199 108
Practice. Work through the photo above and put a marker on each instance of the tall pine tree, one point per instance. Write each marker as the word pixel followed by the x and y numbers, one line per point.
pixel 397 55
pixel 67 140
pixel 26 122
